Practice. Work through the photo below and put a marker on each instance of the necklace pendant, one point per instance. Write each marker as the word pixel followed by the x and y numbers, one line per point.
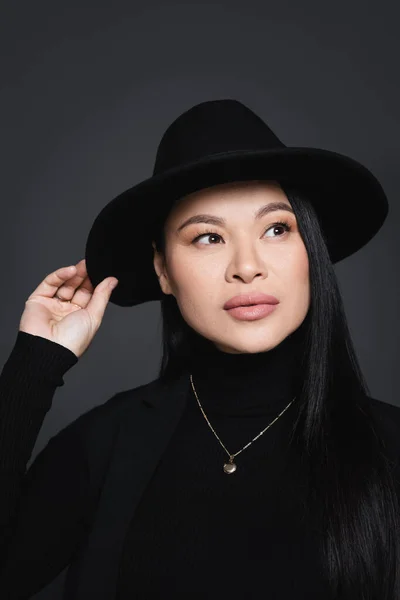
pixel 230 467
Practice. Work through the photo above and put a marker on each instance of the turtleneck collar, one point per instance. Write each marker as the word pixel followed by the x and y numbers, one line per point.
pixel 249 384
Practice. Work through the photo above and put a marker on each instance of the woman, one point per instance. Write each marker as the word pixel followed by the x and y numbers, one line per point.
pixel 257 462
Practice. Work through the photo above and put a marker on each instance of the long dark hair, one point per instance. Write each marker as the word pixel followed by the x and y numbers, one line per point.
pixel 351 485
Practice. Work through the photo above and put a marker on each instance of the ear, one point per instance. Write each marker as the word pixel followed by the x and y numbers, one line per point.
pixel 159 267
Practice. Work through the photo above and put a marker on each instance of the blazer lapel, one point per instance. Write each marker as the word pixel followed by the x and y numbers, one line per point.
pixel 145 427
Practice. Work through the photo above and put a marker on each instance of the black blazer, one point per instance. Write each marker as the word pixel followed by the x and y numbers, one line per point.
pixel 124 438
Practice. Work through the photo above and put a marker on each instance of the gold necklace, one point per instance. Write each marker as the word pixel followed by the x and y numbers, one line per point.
pixel 230 466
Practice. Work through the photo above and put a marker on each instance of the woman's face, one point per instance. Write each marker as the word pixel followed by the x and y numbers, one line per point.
pixel 241 255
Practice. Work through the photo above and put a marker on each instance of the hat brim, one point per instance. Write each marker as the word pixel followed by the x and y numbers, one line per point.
pixel 343 192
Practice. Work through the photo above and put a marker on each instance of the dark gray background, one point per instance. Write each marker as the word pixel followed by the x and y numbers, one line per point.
pixel 87 91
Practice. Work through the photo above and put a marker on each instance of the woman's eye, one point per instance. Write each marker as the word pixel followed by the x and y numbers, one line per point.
pixel 208 233
pixel 278 225
pixel 284 225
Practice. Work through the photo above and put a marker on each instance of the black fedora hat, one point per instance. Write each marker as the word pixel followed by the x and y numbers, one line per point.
pixel 215 142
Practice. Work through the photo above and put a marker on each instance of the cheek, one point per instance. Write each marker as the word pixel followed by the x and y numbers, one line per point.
pixel 302 269
pixel 294 278
pixel 189 280
pixel 294 266
pixel 186 271
pixel 301 277
pixel 197 289
pixel 299 264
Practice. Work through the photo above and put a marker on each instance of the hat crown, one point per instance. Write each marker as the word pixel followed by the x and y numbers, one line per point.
pixel 209 128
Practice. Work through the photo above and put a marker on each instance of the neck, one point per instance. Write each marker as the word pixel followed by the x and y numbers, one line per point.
pixel 248 384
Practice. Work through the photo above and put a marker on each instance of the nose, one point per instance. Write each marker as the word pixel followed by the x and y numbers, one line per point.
pixel 246 265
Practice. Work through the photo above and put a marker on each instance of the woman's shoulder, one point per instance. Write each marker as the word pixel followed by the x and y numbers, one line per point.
pixel 102 420
pixel 115 406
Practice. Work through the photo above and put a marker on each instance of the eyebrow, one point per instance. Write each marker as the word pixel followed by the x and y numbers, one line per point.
pixel 213 220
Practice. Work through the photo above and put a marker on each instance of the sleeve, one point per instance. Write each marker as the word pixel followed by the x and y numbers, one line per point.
pixel 45 510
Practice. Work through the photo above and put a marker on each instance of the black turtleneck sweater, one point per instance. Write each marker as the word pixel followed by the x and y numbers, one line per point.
pixel 197 531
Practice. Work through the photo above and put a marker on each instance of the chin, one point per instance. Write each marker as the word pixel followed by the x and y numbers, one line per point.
pixel 246 348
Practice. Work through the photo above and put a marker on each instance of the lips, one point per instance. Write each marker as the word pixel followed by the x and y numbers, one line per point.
pixel 250 299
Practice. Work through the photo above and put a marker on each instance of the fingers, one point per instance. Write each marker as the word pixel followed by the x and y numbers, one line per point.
pixel 99 300
pixel 65 283
pixel 52 282
pixel 78 288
